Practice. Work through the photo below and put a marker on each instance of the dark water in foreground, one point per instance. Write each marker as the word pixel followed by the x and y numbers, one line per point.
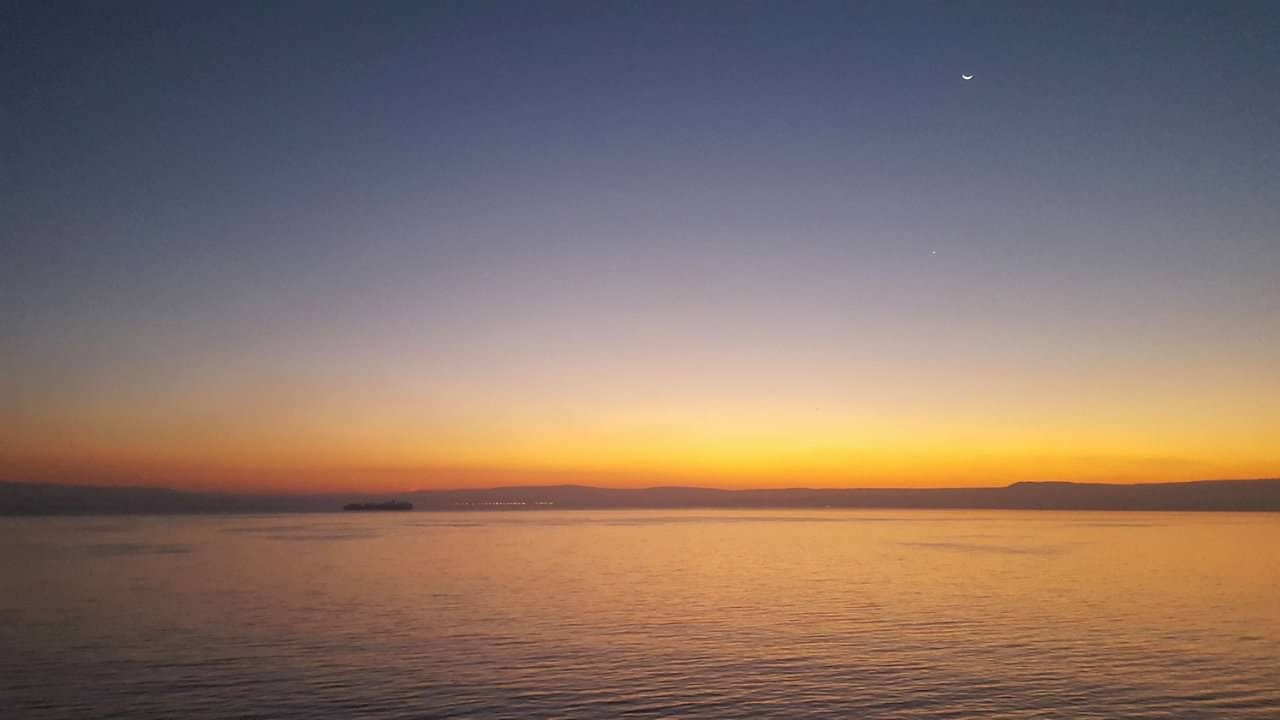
pixel 864 614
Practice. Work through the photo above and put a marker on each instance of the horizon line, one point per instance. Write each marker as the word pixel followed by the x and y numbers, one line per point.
pixel 869 488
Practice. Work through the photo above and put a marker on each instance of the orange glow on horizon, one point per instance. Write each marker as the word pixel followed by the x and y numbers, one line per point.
pixel 769 422
pixel 904 472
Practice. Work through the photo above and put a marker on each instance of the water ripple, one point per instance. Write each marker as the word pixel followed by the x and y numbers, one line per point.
pixel 645 614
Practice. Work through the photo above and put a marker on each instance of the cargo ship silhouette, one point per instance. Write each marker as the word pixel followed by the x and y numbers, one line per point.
pixel 389 505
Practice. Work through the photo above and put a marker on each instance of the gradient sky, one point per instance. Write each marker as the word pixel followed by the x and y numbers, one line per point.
pixel 385 245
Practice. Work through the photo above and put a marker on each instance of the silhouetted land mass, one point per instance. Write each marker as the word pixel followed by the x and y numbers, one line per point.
pixel 388 505
pixel 1207 495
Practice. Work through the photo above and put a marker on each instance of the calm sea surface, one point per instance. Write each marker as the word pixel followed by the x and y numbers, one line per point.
pixel 825 613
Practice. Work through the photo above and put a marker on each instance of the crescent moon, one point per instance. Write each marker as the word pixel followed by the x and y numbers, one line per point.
pixel 966 77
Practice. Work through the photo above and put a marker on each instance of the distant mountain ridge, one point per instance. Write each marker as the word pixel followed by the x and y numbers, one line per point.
pixel 1260 495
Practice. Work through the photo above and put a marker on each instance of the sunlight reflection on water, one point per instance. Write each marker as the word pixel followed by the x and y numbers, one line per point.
pixel 673 613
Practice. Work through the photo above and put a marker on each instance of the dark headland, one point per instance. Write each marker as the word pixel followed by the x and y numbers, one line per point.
pixel 1207 495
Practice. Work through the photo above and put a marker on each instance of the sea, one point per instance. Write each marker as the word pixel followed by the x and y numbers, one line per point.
pixel 623 613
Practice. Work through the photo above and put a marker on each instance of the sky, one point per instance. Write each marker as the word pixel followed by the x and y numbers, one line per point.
pixel 317 246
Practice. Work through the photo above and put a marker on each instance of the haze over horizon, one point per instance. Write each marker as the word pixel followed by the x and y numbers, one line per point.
pixel 321 247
